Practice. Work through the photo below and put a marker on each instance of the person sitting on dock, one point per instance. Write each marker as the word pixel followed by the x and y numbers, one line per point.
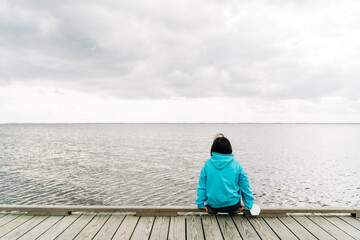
pixel 223 182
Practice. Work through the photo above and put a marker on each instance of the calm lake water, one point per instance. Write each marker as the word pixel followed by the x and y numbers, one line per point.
pixel 159 164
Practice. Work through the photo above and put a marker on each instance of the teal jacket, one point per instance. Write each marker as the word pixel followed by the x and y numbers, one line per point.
pixel 223 182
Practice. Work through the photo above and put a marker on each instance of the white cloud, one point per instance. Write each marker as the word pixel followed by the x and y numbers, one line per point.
pixel 20 103
pixel 260 52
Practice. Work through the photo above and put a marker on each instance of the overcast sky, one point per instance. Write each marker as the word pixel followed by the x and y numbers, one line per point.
pixel 179 61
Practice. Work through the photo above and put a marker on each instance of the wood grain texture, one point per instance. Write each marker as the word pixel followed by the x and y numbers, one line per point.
pixel 160 228
pixel 76 227
pixel 8 218
pixel 13 224
pixel 352 231
pixel 211 227
pixel 41 228
pixel 126 228
pixel 263 229
pixel 313 228
pixel 297 228
pixel 352 221
pixel 93 227
pixel 204 226
pixel 108 230
pixel 330 228
pixel 177 228
pixel 143 228
pixel 158 210
pixel 194 228
pixel 228 228
pixel 245 228
pixel 24 228
pixel 279 228
pixel 59 227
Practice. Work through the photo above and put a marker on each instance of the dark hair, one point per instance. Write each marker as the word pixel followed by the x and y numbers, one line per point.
pixel 221 145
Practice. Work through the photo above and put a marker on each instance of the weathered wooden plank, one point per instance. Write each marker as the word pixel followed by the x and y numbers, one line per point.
pixel 265 214
pixel 110 227
pixel 177 228
pixel 143 228
pixel 45 212
pixel 158 210
pixel 8 218
pixel 76 227
pixel 194 228
pixel 160 228
pixel 279 228
pixel 323 227
pixel 297 229
pixel 330 228
pixel 313 228
pixel 245 228
pixel 211 227
pixel 349 229
pixel 3 215
pixel 24 228
pixel 126 228
pixel 59 227
pixel 262 228
pixel 65 209
pixel 41 227
pixel 228 227
pixel 13 224
pixel 352 221
pixel 91 229
pixel 155 212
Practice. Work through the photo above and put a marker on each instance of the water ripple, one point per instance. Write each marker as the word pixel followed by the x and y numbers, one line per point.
pixel 159 164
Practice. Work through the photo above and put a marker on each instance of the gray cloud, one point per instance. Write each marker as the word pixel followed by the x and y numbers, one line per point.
pixel 163 49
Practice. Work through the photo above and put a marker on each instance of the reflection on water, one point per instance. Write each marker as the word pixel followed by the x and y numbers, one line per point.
pixel 159 164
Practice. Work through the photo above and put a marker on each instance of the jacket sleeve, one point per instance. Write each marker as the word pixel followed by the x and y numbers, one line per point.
pixel 245 189
pixel 201 189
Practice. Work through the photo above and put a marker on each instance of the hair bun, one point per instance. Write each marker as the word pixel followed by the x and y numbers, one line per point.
pixel 219 135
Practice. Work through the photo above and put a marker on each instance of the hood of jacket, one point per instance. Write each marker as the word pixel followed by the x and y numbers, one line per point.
pixel 220 160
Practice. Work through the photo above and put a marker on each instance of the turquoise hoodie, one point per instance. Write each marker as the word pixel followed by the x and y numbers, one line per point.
pixel 222 182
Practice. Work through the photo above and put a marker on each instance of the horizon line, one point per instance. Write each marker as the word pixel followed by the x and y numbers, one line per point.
pixel 179 123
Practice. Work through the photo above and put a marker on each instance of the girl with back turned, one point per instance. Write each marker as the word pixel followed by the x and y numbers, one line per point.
pixel 223 181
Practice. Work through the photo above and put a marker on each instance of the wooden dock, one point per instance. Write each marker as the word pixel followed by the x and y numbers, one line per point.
pixel 48 222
